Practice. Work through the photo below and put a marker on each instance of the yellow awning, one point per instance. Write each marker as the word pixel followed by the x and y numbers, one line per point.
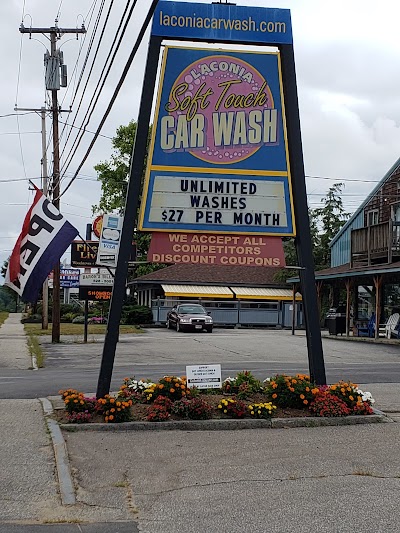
pixel 264 294
pixel 201 291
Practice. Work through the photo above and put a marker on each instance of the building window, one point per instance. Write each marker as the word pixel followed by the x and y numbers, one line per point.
pixel 373 217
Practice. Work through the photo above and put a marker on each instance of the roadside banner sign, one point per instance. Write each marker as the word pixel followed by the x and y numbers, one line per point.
pixel 216 249
pixel 209 22
pixel 83 254
pixel 97 293
pixel 107 253
pixel 96 280
pixel 218 155
pixel 204 376
pixel 69 278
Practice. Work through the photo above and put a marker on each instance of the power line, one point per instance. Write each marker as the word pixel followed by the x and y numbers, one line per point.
pixel 117 89
pixel 83 70
pixel 88 131
pixel 96 95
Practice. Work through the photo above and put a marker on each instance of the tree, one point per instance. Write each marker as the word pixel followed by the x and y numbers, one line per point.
pixel 329 220
pixel 325 222
pixel 8 297
pixel 113 175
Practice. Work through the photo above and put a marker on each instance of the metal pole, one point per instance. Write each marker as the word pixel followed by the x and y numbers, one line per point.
pixel 55 332
pixel 294 289
pixel 45 177
pixel 132 200
pixel 303 234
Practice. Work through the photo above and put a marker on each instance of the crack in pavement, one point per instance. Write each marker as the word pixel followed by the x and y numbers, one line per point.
pixel 274 480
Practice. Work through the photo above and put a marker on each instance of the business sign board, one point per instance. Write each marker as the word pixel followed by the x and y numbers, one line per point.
pixel 110 237
pixel 69 278
pixel 211 22
pixel 96 280
pixel 204 376
pixel 83 254
pixel 216 249
pixel 97 225
pixel 218 155
pixel 98 293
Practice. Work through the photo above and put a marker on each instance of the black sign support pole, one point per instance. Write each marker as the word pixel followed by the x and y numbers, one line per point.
pixel 130 215
pixel 303 234
pixel 85 326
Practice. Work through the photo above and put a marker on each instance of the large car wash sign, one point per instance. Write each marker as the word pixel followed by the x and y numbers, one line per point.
pixel 218 156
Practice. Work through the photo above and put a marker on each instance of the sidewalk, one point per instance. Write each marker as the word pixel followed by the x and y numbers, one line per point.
pixel 13 345
pixel 329 479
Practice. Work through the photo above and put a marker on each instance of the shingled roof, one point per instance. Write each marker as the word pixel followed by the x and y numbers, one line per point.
pixel 213 275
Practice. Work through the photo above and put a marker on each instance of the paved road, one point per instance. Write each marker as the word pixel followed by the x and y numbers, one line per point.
pixel 159 351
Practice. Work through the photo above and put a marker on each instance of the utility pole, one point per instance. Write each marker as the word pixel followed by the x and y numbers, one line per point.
pixel 45 178
pixel 55 67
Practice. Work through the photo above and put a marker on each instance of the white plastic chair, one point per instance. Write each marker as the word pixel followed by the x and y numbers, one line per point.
pixel 391 325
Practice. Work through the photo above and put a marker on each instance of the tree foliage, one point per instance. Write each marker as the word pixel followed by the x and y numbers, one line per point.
pixel 113 176
pixel 325 222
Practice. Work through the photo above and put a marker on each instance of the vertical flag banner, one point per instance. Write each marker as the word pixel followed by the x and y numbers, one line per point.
pixel 45 236
pixel 218 156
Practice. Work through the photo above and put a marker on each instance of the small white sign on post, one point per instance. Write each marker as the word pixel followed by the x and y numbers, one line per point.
pixel 204 376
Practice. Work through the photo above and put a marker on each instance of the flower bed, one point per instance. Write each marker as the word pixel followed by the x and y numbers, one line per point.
pixel 240 397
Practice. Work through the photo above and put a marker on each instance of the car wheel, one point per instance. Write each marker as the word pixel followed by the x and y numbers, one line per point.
pixel 209 330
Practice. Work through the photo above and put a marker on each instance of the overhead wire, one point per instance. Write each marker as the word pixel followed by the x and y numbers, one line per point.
pixel 75 69
pixel 98 18
pixel 96 95
pixel 117 89
pixel 17 91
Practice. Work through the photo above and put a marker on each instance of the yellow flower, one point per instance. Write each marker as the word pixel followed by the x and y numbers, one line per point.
pixel 351 398
pixel 252 412
pixel 225 411
pixel 219 406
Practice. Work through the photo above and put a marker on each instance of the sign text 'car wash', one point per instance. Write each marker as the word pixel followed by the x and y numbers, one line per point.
pixel 218 156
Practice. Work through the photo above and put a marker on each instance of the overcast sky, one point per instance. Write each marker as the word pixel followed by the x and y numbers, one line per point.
pixel 348 72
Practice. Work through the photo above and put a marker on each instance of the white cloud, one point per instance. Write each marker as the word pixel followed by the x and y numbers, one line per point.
pixel 347 58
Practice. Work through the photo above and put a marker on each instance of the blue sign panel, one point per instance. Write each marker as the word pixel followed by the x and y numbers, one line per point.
pixel 211 22
pixel 218 157
pixel 69 278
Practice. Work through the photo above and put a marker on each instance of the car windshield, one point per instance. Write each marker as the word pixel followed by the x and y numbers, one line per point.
pixel 191 310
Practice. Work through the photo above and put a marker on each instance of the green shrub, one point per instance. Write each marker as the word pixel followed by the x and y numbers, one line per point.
pixel 78 320
pixel 33 319
pixel 137 314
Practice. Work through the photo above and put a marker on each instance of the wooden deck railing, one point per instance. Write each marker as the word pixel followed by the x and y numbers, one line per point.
pixel 374 244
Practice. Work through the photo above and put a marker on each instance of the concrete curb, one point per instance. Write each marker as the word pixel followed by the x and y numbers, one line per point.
pixel 65 481
pixel 231 424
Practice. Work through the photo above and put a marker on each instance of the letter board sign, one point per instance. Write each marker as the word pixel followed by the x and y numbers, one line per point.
pixel 218 156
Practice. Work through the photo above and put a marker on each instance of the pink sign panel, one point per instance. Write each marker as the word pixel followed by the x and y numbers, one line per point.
pixel 215 249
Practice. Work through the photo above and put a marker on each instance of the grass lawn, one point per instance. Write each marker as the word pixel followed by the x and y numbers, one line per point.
pixel 77 329
pixel 3 316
